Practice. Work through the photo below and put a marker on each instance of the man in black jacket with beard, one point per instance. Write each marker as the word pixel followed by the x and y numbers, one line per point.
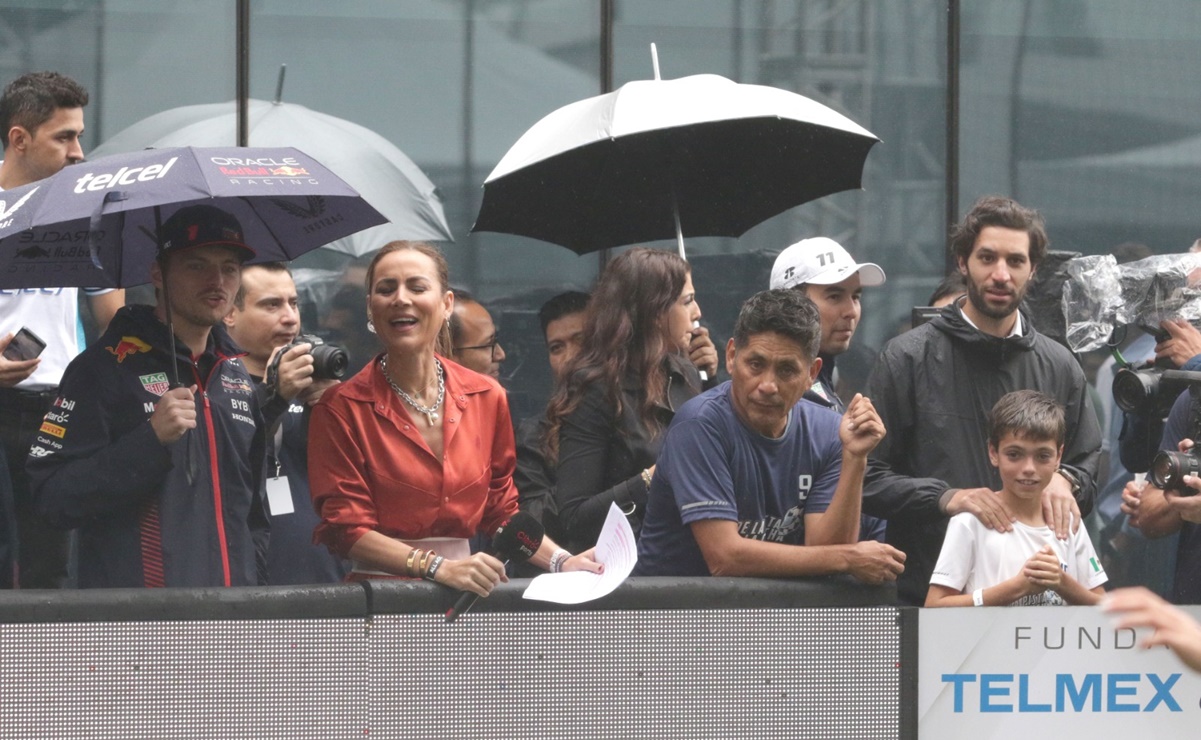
pixel 933 387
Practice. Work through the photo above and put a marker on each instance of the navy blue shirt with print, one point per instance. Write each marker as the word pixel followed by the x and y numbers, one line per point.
pixel 713 466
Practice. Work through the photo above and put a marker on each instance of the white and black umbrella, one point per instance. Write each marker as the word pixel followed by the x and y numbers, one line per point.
pixel 657 159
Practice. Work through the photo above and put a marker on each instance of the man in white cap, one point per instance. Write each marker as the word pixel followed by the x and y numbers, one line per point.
pixel 833 280
pixel 828 275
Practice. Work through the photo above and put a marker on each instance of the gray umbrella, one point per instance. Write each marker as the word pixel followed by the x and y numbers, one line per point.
pixel 381 173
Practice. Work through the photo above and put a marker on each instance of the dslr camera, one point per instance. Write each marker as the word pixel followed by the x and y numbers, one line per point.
pixel 1169 468
pixel 329 360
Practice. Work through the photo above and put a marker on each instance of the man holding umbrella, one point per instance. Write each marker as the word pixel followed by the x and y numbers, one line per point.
pixel 164 483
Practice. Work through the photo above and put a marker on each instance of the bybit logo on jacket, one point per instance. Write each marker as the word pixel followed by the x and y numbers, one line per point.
pixel 123 176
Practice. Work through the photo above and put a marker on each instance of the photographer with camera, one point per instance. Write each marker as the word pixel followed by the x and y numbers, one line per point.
pixel 1167 504
pixel 290 371
pixel 1141 390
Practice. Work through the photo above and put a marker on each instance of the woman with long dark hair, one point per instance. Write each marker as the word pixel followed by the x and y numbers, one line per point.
pixel 605 422
pixel 414 455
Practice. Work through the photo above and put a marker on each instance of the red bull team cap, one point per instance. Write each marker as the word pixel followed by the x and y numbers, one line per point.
pixel 202 226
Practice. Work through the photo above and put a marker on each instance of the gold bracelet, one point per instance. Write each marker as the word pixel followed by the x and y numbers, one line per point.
pixel 409 562
pixel 646 477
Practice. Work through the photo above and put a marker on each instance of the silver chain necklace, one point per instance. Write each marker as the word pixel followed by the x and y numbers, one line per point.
pixel 431 412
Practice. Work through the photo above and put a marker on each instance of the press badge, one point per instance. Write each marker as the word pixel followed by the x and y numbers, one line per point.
pixel 279 496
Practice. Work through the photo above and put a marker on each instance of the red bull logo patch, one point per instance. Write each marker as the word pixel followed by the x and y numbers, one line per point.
pixel 288 171
pixel 128 346
pixel 155 383
pixel 53 429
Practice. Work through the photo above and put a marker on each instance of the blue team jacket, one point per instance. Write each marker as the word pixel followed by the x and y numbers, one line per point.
pixel 185 514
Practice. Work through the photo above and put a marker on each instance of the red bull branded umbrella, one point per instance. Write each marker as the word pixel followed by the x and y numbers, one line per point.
pixel 95 224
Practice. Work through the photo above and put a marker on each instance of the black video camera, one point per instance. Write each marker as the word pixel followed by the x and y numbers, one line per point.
pixel 1150 389
pixel 329 360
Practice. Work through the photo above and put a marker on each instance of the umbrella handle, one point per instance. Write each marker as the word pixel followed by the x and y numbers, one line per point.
pixel 675 212
pixel 112 196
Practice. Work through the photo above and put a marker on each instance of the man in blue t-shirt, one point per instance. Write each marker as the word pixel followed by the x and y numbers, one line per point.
pixel 749 471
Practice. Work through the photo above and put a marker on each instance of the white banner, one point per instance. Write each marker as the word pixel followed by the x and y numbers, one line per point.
pixel 1014 672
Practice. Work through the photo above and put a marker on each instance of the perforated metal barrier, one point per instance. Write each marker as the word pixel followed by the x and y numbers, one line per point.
pixel 348 661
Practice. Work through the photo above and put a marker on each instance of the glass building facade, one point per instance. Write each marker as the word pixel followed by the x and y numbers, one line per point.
pixel 1085 109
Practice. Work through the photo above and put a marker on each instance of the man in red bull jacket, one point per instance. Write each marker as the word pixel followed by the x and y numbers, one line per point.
pixel 163 483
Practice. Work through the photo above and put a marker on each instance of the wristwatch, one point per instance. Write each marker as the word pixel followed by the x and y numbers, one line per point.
pixel 1072 477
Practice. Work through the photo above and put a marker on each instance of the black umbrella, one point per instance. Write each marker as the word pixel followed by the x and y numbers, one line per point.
pixel 656 159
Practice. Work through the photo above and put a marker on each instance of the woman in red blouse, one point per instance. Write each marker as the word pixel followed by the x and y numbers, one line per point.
pixel 415 454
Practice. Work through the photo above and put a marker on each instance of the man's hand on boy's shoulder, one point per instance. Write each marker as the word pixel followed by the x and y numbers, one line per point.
pixel 984 504
pixel 1060 509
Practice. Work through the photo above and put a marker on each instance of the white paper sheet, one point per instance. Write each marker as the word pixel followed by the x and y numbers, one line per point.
pixel 615 549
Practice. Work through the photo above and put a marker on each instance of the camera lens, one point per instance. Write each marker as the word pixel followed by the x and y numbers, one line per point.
pixel 1169 468
pixel 329 362
pixel 1134 390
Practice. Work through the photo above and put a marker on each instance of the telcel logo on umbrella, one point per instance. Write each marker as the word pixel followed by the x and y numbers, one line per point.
pixel 123 176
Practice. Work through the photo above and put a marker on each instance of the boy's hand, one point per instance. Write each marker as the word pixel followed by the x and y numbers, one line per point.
pixel 1042 571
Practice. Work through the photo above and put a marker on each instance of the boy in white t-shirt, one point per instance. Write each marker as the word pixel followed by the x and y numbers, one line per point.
pixel 1027 566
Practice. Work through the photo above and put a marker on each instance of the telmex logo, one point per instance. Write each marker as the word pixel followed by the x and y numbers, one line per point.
pixel 1109 692
pixel 123 176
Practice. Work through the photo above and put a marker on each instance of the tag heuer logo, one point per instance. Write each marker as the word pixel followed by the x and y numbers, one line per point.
pixel 156 383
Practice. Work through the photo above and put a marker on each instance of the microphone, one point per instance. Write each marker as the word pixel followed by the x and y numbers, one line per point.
pixel 517 539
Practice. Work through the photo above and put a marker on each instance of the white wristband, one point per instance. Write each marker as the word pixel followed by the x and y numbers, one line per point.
pixel 978 597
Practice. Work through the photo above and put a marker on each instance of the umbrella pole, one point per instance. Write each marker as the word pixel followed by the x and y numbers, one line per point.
pixel 675 212
pixel 171 332
pixel 158 235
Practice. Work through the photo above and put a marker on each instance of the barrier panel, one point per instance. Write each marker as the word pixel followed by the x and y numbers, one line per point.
pixel 717 658
pixel 1009 672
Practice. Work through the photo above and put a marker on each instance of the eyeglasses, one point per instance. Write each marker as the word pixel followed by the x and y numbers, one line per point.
pixel 490 346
